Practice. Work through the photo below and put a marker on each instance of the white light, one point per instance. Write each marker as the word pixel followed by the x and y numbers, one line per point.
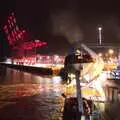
pixel 56 79
pixel 100 54
pixel 99 28
pixel 9 61
pixel 37 40
pixel 100 35
pixel 87 77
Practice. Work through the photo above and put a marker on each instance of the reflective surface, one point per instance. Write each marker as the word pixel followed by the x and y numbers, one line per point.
pixel 24 96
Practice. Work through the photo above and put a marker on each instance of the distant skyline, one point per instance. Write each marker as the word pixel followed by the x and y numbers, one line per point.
pixel 61 22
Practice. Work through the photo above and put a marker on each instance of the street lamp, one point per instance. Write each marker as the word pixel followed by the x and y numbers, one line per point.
pixel 100 35
pixel 111 51
pixel 36 41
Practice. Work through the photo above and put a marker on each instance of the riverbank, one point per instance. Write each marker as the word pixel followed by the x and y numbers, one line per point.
pixel 31 69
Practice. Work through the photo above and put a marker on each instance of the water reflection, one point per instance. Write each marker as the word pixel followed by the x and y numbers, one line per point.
pixel 21 91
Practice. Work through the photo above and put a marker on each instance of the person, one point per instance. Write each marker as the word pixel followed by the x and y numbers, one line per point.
pixel 87 106
pixel 71 111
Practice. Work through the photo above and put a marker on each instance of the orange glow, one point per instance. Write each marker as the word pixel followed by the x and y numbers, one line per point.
pixel 110 66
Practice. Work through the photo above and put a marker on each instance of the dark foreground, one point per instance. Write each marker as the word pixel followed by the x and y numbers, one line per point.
pixel 29 102
pixel 25 96
pixel 31 69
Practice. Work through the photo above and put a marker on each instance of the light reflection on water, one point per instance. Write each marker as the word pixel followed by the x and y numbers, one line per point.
pixel 44 92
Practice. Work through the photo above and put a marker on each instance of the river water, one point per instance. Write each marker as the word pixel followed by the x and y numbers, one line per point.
pixel 26 96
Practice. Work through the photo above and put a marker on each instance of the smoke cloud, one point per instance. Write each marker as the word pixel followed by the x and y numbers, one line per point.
pixel 65 23
pixel 114 26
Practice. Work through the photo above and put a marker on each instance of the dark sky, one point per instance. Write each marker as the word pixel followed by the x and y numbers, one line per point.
pixel 60 22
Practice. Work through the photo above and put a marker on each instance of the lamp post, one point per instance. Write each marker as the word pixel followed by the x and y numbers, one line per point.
pixel 110 52
pixel 74 64
pixel 36 41
pixel 100 35
pixel 78 68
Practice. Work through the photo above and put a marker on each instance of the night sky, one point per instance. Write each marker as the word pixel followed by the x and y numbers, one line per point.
pixel 62 22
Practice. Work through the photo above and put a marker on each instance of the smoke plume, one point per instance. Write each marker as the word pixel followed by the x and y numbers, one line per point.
pixel 114 26
pixel 65 23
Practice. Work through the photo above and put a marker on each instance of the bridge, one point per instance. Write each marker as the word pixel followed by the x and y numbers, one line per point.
pixel 103 45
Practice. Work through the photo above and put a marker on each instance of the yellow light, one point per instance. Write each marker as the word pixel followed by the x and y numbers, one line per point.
pixel 110 51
